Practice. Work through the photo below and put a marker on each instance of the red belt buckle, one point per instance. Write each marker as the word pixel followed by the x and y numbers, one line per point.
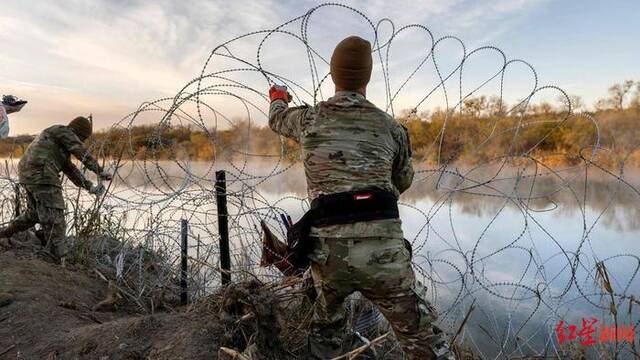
pixel 364 196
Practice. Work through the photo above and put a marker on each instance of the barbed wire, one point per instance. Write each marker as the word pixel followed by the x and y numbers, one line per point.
pixel 516 260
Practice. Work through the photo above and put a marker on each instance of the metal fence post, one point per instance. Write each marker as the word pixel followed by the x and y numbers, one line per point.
pixel 223 226
pixel 17 205
pixel 184 294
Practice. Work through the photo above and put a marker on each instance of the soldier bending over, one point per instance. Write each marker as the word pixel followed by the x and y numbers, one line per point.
pixel 39 175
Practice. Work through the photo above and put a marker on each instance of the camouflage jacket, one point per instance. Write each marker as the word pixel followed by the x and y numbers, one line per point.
pixel 4 123
pixel 50 153
pixel 348 144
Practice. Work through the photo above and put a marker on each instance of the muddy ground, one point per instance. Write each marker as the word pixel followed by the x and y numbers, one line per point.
pixel 53 311
pixel 48 311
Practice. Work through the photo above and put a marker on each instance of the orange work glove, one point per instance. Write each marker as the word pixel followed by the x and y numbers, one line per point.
pixel 279 92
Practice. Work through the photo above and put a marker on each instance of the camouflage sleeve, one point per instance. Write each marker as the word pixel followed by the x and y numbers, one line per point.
pixel 402 173
pixel 75 175
pixel 72 143
pixel 4 123
pixel 287 121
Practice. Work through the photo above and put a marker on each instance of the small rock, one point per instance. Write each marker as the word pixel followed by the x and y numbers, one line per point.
pixel 5 299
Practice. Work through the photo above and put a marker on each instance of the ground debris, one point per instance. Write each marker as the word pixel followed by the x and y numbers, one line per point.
pixel 248 320
pixel 251 316
pixel 242 316
pixel 110 301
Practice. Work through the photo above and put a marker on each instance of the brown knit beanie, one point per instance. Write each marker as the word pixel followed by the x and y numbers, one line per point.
pixel 82 127
pixel 351 63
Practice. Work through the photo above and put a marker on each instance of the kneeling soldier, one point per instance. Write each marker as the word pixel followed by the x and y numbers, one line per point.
pixel 357 161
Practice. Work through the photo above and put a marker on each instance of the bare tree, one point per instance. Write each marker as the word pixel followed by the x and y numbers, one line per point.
pixel 618 93
pixel 496 106
pixel 602 104
pixel 520 108
pixel 574 101
pixel 635 100
pixel 543 108
pixel 475 106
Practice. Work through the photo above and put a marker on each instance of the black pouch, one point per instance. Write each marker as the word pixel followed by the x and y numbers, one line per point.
pixel 299 242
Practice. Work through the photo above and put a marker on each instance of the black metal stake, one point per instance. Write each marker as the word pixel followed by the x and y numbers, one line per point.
pixel 17 208
pixel 184 294
pixel 223 226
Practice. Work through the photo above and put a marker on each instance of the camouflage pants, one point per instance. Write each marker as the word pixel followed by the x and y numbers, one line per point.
pixel 45 206
pixel 380 269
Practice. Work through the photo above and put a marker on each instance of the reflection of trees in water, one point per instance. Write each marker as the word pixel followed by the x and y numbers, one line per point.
pixel 562 193
pixel 565 193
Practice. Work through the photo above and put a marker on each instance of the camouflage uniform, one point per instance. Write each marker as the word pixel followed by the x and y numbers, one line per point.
pixel 349 144
pixel 39 174
pixel 4 123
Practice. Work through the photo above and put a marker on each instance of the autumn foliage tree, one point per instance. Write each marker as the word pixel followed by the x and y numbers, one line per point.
pixel 481 129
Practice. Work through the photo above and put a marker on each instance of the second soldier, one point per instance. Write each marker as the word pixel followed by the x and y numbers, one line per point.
pixel 39 174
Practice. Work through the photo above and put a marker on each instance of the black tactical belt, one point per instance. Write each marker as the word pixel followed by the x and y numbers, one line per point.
pixel 354 206
pixel 335 209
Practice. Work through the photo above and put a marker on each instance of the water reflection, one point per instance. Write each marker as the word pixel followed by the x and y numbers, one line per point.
pixel 522 244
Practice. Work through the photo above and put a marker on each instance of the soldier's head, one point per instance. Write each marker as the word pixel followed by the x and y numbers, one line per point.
pixel 351 64
pixel 82 127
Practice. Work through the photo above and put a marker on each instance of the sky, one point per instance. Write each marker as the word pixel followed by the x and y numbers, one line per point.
pixel 106 57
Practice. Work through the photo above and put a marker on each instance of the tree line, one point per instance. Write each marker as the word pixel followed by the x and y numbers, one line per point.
pixel 486 128
pixel 480 130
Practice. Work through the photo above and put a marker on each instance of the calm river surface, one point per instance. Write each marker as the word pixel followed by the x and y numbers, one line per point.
pixel 523 247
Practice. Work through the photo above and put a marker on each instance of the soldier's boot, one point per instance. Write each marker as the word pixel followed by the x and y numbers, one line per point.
pixel 50 253
pixel 50 246
pixel 57 249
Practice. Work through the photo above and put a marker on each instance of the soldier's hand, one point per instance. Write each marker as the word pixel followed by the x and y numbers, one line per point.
pixel 279 92
pixel 105 175
pixel 97 190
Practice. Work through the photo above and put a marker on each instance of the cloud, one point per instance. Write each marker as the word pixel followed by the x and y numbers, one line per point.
pixel 110 53
pixel 469 18
pixel 116 54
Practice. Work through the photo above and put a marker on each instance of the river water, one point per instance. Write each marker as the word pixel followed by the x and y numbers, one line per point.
pixel 524 248
pixel 520 244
